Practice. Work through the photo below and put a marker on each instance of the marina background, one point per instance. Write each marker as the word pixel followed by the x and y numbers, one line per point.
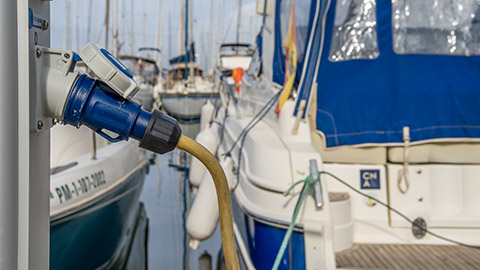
pixel 145 25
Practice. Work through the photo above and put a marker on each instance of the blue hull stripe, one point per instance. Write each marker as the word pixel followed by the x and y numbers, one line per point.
pixel 264 240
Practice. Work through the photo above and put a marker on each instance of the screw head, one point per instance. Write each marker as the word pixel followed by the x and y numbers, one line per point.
pixel 45 25
pixel 39 125
pixel 66 55
pixel 38 52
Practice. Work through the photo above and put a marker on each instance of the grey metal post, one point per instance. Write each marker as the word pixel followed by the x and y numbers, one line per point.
pixel 9 137
pixel 33 141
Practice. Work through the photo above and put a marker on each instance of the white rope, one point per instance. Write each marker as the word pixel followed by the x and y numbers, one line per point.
pixel 403 173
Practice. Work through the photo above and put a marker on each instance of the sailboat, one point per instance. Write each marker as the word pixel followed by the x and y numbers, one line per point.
pixel 147 74
pixel 146 67
pixel 234 57
pixel 371 160
pixel 187 90
pixel 94 198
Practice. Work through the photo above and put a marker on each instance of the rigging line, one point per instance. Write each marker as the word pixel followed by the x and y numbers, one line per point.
pixel 184 219
pixel 398 212
pixel 288 234
pixel 222 132
pixel 240 150
pixel 215 105
pixel 267 107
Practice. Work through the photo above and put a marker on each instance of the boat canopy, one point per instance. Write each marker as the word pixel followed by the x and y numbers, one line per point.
pixel 269 60
pixel 190 57
pixel 386 65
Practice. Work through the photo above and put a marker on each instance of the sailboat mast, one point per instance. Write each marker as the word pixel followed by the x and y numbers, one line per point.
pixel 182 29
pixel 169 35
pixel 159 35
pixel 221 22
pixel 89 24
pixel 239 20
pixel 77 33
pixel 132 37
pixel 123 19
pixel 191 56
pixel 66 34
pixel 255 28
pixel 186 40
pixel 107 19
pixel 144 29
pixel 211 61
pixel 115 28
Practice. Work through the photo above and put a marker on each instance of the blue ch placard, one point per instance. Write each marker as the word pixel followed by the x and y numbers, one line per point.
pixel 370 179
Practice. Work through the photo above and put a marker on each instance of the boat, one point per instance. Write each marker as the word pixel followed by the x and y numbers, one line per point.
pixel 380 125
pixel 94 199
pixel 187 90
pixel 147 74
pixel 234 56
pixel 183 100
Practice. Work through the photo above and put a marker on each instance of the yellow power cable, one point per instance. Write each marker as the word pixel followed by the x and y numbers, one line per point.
pixel 223 197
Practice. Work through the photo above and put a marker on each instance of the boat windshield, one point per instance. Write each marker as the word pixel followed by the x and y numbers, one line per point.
pixel 442 27
pixel 235 49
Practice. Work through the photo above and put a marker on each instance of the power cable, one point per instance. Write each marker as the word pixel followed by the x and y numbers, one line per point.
pixel 398 213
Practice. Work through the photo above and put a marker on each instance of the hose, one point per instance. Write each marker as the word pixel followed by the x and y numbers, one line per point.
pixel 309 182
pixel 223 196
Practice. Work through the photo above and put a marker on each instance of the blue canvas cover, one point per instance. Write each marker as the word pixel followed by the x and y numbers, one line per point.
pixel 369 101
pixel 189 57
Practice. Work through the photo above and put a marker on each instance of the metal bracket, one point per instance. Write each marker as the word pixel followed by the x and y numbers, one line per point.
pixel 318 186
pixel 55 79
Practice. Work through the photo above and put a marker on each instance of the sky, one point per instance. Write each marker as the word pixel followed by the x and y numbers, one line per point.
pixel 145 20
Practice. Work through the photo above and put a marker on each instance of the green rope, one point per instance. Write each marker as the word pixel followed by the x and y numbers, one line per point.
pixel 308 183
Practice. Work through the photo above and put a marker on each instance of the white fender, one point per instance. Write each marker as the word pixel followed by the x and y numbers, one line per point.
pixel 209 139
pixel 203 216
pixel 206 115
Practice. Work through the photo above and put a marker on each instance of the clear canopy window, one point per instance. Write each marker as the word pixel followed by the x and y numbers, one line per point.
pixel 448 27
pixel 355 31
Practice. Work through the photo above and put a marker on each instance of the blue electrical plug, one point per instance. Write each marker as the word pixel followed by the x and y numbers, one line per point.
pixel 94 104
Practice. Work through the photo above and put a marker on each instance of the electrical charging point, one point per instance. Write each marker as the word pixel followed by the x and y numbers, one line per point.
pixel 104 104
pixel 109 70
pixel 55 79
